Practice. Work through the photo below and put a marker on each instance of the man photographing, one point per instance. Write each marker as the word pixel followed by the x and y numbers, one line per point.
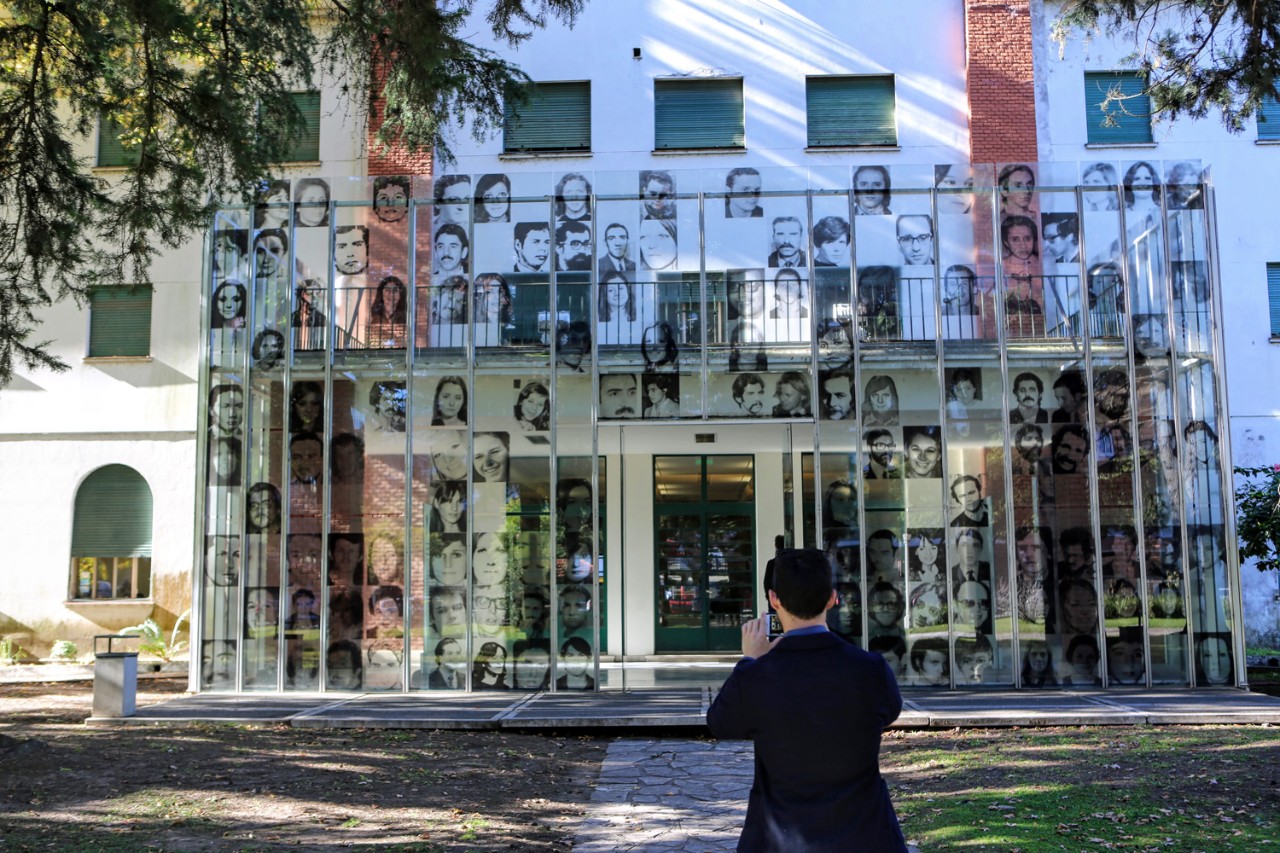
pixel 815 707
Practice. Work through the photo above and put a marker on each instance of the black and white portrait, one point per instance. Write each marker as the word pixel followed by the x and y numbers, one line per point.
pixel 742 193
pixel 573 245
pixel 831 242
pixel 453 200
pixel 661 395
pixel 491 453
pixel 391 194
pixel 493 199
pixel 387 401
pixel 311 202
pixel 452 248
pixel 615 250
pixel 619 396
pixel 872 191
pixel 573 199
pixel 657 195
pixel 532 246
pixel 788 242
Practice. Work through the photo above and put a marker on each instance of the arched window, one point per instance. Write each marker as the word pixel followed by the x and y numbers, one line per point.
pixel 111 536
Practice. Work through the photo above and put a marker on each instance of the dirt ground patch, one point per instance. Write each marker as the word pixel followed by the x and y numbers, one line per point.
pixel 66 787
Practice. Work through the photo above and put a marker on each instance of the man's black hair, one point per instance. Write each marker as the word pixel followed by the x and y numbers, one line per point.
pixel 803 581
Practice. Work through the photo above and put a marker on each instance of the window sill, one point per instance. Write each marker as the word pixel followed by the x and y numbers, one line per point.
pixel 109 602
pixel 682 152
pixel 517 156
pixel 117 359
pixel 1275 141
pixel 852 149
pixel 107 171
pixel 1098 146
pixel 1275 339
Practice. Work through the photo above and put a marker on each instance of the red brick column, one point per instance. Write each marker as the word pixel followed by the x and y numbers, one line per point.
pixel 393 160
pixel 1002 102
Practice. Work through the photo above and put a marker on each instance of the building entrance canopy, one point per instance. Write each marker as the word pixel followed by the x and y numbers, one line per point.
pixel 1006 378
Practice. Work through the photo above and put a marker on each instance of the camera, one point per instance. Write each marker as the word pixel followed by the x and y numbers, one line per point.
pixel 775 626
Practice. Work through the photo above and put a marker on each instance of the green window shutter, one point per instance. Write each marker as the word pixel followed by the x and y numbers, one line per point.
pixel 555 117
pixel 111 152
pixel 698 114
pixel 119 321
pixel 1125 121
pixel 113 515
pixel 1269 118
pixel 305 148
pixel 1273 296
pixel 851 110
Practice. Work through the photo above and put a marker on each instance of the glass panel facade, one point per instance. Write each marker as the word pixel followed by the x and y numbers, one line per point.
pixel 1002 384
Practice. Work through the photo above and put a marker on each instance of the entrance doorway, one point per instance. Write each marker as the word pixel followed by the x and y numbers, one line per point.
pixel 704 550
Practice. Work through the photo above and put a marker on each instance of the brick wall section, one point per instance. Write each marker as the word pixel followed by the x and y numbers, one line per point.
pixel 1002 106
pixel 394 160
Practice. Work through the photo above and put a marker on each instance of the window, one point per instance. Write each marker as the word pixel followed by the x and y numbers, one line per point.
pixel 119 321
pixel 111 537
pixel 1269 118
pixel 1273 297
pixel 1123 120
pixel 851 111
pixel 550 117
pixel 111 151
pixel 305 146
pixel 698 114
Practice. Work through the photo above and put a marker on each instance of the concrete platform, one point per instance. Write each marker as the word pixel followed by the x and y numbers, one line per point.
pixel 685 709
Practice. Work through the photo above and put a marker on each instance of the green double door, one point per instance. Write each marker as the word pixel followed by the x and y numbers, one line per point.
pixel 704 508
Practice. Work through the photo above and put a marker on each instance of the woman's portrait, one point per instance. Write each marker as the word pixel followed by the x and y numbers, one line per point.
pixel 658 348
pixel 386 561
pixel 532 409
pixel 449 559
pixel 1037 665
pixel 955 186
pixel 311 202
pixel 230 301
pixel 271 253
pixel 391 195
pixel 880 402
pixel 872 191
pixel 346 559
pixel 573 198
pixel 261 611
pixel 930 663
pixel 793 393
pixel 449 454
pixel 490 669
pixel 230 248
pixel 492 453
pixel 746 348
pixel 616 299
pixel 573 503
pixel 306 407
pixel 788 296
pixel 575 661
pixel 742 201
pixel 347 459
pixel 267 349
pixel 840 505
pixel 345 671
pixel 658 244
pixel 1213 660
pixel 1142 188
pixel 390 303
pixel 1079 610
pixel 448 507
pixel 264 508
pixel 1017 190
pixel 272 209
pixel 831 240
pixel 492 299
pixel 493 199
pixel 1020 240
pixel 449 301
pixel 449 408
pixel 661 395
pixel 532 664
pixel 386 612
pixel 1099 182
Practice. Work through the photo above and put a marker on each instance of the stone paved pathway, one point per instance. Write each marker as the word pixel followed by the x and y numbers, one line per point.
pixel 669 795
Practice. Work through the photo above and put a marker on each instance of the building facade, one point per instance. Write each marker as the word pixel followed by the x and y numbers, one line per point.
pixel 744 271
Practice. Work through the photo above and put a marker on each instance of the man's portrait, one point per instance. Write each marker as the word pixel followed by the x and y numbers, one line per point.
pixel 749 394
pixel 915 239
pixel 835 394
pixel 882 456
pixel 1070 450
pixel 742 201
pixel 1028 389
pixel 657 194
pixel 306 459
pixel 453 200
pixel 573 246
pixel 619 395
pixel 222 560
pixel 788 242
pixel 616 256
pixel 745 291
pixel 452 248
pixel 226 410
pixel 532 246
pixel 1062 236
pixel 388 401
pixel 391 195
pixel 1071 394
pixel 351 249
pixel 966 492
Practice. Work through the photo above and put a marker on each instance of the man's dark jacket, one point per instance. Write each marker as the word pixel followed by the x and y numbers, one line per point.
pixel 815 706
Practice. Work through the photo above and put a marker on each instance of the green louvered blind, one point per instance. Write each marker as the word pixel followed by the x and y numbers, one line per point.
pixel 698 114
pixel 1269 119
pixel 552 117
pixel 305 148
pixel 110 150
pixel 113 515
pixel 1121 122
pixel 1273 296
pixel 851 110
pixel 119 321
